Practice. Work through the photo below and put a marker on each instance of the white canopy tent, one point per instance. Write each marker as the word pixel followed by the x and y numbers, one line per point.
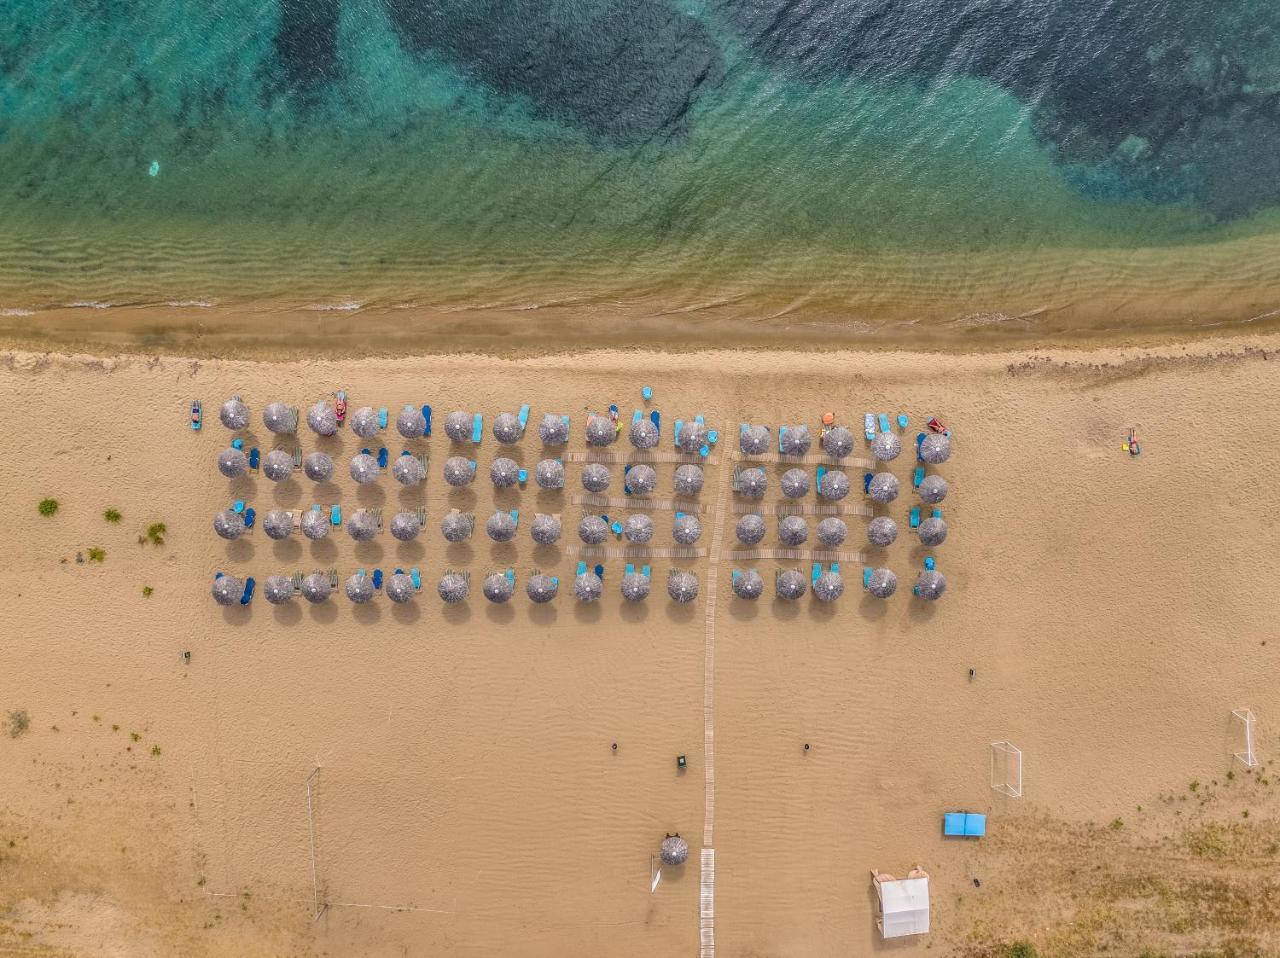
pixel 904 907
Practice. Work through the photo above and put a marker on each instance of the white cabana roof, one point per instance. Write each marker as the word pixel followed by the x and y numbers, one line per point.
pixel 904 907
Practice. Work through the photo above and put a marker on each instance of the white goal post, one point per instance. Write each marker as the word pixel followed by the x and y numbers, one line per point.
pixel 1247 721
pixel 1006 769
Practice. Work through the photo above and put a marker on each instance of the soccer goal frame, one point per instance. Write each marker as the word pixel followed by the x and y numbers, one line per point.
pixel 1247 721
pixel 1006 769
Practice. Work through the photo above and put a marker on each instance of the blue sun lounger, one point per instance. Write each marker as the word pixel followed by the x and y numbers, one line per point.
pixel 866 483
pixel 937 513
pixel 382 418
pixel 644 571
pixel 249 585
pixel 582 568
pixel 817 571
pixel 869 426
pixel 676 435
pixel 382 457
pixel 416 578
pixel 915 517
pixel 917 477
pixel 565 420
pixel 655 417
pixel 522 477
pixel 477 427
pixel 919 439
pixel 522 417
pixel 250 516
pixel 515 517
pixel 637 416
pixel 817 482
pixel 255 458
pixel 884 423
pixel 335 514
pixel 866 576
pixel 782 431
pixel 625 472
pixel 510 576
pixel 964 825
pixel 377 578
pixel 630 569
pixel 426 417
pixel 599 571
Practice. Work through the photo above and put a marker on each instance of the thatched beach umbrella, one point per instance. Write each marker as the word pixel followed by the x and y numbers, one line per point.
pixel 399 587
pixel 364 422
pixel 227 590
pixel 315 524
pixel 316 588
pixel 228 524
pixel 834 485
pixel 832 531
pixel 682 585
pixel 930 584
pixel 553 430
pixel 411 423
pixel 364 468
pixel 506 428
pixel 278 524
pixel 453 588
pixel 686 529
pixel 405 526
pixel 935 448
pixel 641 480
pixel 886 446
pixel 501 527
pixel 881 531
pixel 933 532
pixel 497 587
pixel 504 472
pixel 408 470
pixel 635 586
pixel 458 471
pixel 545 529
pixel 279 418
pixel 601 431
pixel 323 418
pixel 362 525
pixel 541 588
pixel 278 589
pixel 754 440
pixel 795 440
pixel 795 483
pixel 675 850
pixel 883 487
pixel 693 436
pixel 748 585
pixel 593 530
pixel 277 465
pixel 644 434
pixel 837 442
pixel 793 531
pixel 457 426
pixel 318 467
pixel 595 477
pixel 359 588
pixel 638 528
pixel 233 463
pixel 753 483
pixel 883 583
pixel 829 587
pixel 549 474
pixel 234 413
pixel 932 489
pixel 588 587
pixel 688 480
pixel 791 584
pixel 457 526
pixel 750 529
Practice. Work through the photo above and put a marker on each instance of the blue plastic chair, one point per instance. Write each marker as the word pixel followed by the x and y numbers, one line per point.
pixel 929 563
pixel 250 516
pixel 646 393
pixel 237 506
pixel 903 421
pixel 237 444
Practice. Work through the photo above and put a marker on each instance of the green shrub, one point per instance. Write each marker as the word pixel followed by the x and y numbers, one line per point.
pixel 97 555
pixel 112 515
pixel 1021 949
pixel 19 722
pixel 146 591
pixel 156 532
pixel 48 507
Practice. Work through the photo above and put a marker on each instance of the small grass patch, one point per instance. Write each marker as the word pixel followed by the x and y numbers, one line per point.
pixel 97 554
pixel 112 515
pixel 19 722
pixel 155 534
pixel 1021 949
pixel 48 507
pixel 147 591
pixel 1117 824
pixel 155 750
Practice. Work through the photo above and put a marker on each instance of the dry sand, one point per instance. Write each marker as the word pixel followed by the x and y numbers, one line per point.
pixel 468 801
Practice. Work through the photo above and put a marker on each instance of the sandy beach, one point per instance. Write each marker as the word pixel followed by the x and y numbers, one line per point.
pixel 466 798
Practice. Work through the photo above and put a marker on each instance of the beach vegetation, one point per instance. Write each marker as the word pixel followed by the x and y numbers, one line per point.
pixel 112 515
pixel 1117 824
pixel 1021 949
pixel 97 554
pixel 1194 786
pixel 19 722
pixel 147 591
pixel 135 736
pixel 155 749
pixel 155 534
pixel 48 507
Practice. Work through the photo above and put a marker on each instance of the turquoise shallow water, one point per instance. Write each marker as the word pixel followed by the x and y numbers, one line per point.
pixel 838 155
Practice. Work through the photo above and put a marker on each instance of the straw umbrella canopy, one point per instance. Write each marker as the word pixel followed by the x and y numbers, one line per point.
pixel 364 468
pixel 935 448
pixel 278 589
pixel 832 531
pixel 753 483
pixel 456 527
pixel 595 477
pixel 277 465
pixel 749 585
pixel 318 467
pixel 795 441
pixel 234 413
pixel 750 529
pixel 553 430
pixel 886 446
pixel 883 583
pixel 323 418
pixel 541 588
pixel 279 418
pixel 458 471
pixel 829 587
pixel 932 489
pixel 693 436
pixel 315 524
pixel 593 530
pixel 411 423
pixel 405 526
pixel 883 487
pixel 364 422
pixel 793 531
pixel 675 850
pixel 682 585
pixel 641 480
pixel 795 483
pixel 588 587
pixel 635 586
pixel 504 472
pixel 600 431
pixel 232 463
pixel 933 532
pixel 838 442
pixel 457 426
pixel 930 585
pixel 360 588
pixel 545 529
pixel 686 529
pixel 362 525
pixel 881 531
pixel 453 588
pixel 754 440
pixel 688 480
pixel 408 470
pixel 399 587
pixel 316 588
pixel 228 524
pixel 549 474
pixel 791 584
pixel 278 524
pixel 638 528
pixel 227 590
pixel 834 485
pixel 506 428
pixel 497 587
pixel 644 434
pixel 501 527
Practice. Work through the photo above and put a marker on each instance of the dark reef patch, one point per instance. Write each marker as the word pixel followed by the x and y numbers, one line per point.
pixel 307 43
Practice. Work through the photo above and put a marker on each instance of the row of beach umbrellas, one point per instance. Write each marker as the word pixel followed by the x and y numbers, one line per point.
pixel 792 584
pixel 882 531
